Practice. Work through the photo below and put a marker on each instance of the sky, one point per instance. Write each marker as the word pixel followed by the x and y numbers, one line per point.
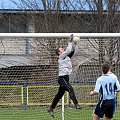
pixel 8 4
pixel 5 4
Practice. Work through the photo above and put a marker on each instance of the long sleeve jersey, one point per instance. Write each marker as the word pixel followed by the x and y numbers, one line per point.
pixel 65 65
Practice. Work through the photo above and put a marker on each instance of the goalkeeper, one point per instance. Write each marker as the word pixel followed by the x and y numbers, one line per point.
pixel 65 69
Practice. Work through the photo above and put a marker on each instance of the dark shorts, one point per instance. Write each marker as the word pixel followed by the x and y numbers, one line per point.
pixel 105 107
pixel 64 83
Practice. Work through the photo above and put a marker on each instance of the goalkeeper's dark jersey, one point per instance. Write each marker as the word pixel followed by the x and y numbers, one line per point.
pixel 65 65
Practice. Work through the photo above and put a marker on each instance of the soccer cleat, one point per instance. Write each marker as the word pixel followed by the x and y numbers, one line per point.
pixel 77 106
pixel 50 110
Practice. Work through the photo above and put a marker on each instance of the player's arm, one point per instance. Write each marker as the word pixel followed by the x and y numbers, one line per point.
pixel 71 54
pixel 69 50
pixel 74 40
pixel 97 88
pixel 117 85
pixel 94 93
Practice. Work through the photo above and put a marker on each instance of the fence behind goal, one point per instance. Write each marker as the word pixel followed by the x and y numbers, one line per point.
pixel 29 72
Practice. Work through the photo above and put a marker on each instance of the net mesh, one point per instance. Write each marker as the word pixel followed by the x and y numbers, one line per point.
pixel 29 73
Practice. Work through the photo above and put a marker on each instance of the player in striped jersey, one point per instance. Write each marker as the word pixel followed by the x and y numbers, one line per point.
pixel 106 86
pixel 112 74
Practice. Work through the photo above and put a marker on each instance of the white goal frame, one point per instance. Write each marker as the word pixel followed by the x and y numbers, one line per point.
pixel 58 35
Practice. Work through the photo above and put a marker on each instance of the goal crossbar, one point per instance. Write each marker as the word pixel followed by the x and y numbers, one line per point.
pixel 59 35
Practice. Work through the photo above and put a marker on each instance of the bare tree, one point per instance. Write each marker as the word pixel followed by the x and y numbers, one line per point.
pixel 74 16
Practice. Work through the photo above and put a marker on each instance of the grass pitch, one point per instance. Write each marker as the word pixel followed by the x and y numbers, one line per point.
pixel 42 114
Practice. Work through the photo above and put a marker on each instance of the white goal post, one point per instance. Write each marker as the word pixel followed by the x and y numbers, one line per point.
pixel 57 35
pixel 35 59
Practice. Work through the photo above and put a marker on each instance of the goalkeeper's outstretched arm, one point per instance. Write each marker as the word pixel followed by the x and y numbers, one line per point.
pixel 70 50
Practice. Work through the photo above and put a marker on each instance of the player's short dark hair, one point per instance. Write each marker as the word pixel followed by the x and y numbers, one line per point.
pixel 57 51
pixel 105 68
pixel 108 62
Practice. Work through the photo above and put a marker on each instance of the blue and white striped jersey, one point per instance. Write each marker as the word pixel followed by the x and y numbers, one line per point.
pixel 106 85
pixel 112 74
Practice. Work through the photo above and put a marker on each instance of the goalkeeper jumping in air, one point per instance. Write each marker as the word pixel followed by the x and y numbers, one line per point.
pixel 65 69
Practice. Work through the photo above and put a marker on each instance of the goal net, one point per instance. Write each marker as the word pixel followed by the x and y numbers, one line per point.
pixel 29 74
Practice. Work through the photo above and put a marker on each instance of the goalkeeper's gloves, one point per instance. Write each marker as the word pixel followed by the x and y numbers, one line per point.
pixel 71 38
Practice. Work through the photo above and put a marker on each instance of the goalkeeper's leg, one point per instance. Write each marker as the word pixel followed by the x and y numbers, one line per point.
pixel 64 82
pixel 73 97
pixel 56 99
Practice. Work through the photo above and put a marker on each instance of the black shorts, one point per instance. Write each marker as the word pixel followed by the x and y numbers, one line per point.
pixel 105 107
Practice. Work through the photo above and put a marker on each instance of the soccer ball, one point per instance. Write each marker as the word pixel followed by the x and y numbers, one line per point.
pixel 76 38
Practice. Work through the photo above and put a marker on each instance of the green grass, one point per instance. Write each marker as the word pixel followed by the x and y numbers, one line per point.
pixel 42 114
